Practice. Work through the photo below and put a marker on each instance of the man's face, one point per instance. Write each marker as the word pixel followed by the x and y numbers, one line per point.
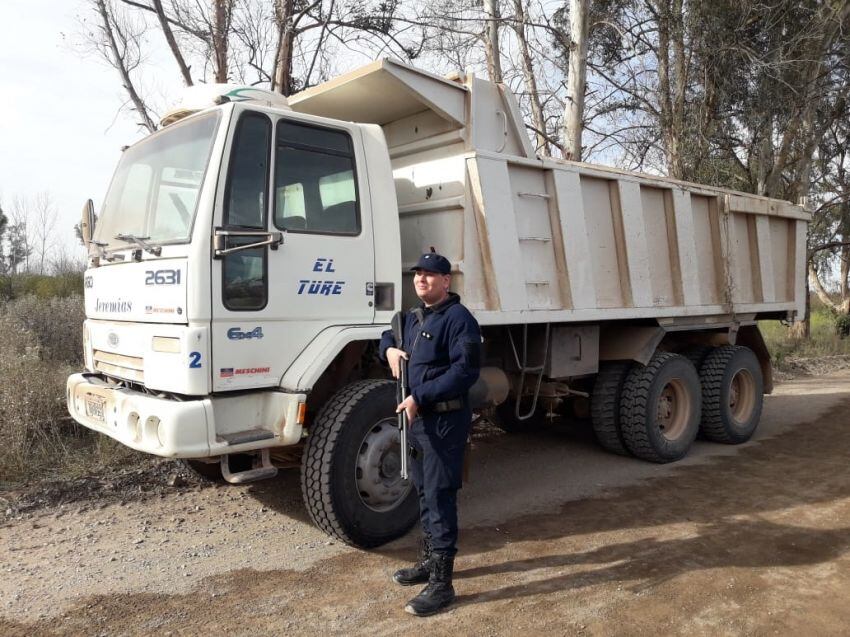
pixel 431 287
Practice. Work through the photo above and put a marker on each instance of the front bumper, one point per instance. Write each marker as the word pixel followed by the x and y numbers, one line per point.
pixel 210 426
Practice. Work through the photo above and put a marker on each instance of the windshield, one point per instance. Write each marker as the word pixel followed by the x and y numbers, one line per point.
pixel 155 189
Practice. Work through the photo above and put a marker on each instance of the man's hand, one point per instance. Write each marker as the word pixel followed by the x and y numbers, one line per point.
pixel 394 355
pixel 408 405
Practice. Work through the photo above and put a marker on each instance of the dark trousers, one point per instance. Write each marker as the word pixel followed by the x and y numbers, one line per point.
pixel 436 469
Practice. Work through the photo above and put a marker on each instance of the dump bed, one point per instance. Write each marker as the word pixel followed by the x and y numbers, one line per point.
pixel 541 240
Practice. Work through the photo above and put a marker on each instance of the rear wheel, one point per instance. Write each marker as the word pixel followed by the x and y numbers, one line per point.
pixel 350 468
pixel 605 406
pixel 660 408
pixel 697 355
pixel 733 394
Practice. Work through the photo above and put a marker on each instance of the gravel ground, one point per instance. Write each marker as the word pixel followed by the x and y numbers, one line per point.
pixel 558 536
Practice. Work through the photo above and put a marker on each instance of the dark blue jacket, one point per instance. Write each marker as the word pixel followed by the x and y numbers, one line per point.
pixel 444 349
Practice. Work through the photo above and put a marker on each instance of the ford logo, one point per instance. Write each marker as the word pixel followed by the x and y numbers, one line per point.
pixel 112 339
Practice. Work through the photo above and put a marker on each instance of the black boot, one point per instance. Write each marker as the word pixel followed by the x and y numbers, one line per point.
pixel 439 593
pixel 419 572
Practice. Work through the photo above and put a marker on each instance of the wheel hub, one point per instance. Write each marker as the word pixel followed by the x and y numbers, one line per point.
pixel 742 396
pixel 673 409
pixel 377 472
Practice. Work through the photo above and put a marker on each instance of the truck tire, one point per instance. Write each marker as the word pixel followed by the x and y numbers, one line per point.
pixel 732 394
pixel 350 468
pixel 660 408
pixel 697 355
pixel 605 406
pixel 504 417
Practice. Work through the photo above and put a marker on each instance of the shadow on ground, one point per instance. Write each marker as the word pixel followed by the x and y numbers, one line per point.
pixel 724 502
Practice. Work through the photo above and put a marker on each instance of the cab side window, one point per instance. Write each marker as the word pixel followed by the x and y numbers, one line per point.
pixel 249 169
pixel 245 273
pixel 315 180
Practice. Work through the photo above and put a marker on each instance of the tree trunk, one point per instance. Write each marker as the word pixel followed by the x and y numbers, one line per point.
pixel 672 82
pixel 680 86
pixel 803 329
pixel 537 118
pixel 494 63
pixel 823 295
pixel 221 29
pixel 576 80
pixel 282 76
pixel 172 42
pixel 119 64
pixel 843 284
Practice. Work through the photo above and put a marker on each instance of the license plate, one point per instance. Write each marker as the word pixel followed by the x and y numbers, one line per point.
pixel 95 407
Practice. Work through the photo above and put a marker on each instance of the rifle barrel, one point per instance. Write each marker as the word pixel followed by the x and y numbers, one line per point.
pixel 402 421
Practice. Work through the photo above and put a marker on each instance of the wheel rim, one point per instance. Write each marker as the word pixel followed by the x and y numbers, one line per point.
pixel 742 396
pixel 377 472
pixel 674 409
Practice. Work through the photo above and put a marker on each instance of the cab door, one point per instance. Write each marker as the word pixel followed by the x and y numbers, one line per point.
pixel 294 249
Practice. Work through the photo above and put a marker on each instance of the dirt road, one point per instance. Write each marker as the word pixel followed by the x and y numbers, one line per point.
pixel 557 537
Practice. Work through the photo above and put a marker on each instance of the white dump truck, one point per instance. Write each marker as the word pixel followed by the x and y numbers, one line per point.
pixel 249 254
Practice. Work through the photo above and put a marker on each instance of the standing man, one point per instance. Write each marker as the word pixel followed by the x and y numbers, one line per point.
pixel 442 345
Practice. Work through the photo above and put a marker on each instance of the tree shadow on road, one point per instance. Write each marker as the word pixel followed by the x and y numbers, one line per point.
pixel 804 465
pixel 790 469
pixel 649 562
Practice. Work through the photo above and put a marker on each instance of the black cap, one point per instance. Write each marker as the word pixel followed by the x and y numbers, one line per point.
pixel 433 262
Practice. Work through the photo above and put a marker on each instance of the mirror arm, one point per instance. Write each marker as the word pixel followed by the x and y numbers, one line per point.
pixel 272 239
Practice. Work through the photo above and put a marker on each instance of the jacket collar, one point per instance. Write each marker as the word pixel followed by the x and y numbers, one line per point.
pixel 443 305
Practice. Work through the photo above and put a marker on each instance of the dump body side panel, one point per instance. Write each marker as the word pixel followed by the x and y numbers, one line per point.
pixel 540 240
pixel 562 241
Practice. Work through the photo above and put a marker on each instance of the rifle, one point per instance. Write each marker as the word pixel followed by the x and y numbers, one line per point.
pixel 402 390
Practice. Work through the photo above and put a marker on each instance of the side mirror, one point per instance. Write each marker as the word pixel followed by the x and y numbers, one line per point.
pixel 87 222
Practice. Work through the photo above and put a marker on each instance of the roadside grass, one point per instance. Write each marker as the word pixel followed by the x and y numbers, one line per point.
pixel 40 345
pixel 824 341
pixel 42 286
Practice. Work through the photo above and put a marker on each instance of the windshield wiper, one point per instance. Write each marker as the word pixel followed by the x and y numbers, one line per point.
pixel 141 242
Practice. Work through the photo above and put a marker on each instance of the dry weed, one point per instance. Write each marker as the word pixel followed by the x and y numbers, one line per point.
pixel 40 344
pixel 57 324
pixel 34 423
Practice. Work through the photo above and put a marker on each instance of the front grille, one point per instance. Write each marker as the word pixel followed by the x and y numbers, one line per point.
pixel 129 367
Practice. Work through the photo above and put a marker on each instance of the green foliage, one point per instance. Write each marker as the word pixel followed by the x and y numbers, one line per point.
pixel 842 325
pixel 41 286
pixel 824 340
pixel 18 246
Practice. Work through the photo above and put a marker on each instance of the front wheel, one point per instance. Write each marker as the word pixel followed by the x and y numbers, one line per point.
pixel 350 477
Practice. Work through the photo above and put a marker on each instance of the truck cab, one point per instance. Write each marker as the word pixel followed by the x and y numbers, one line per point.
pixel 228 243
